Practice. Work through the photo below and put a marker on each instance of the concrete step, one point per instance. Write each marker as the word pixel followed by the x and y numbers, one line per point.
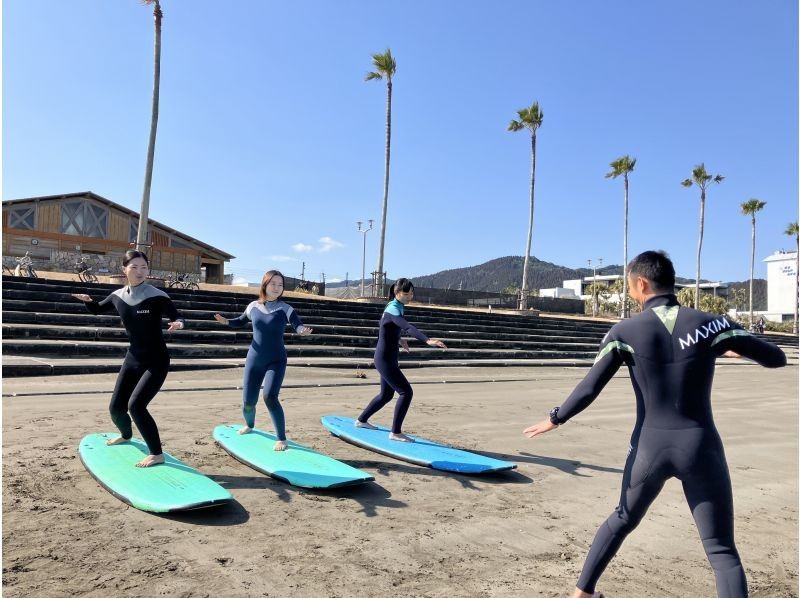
pixel 23 347
pixel 331 338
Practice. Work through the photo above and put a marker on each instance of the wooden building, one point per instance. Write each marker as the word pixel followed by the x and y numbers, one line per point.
pixel 87 223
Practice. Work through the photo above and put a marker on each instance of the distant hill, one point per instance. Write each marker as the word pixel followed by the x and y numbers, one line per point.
pixel 759 292
pixel 498 274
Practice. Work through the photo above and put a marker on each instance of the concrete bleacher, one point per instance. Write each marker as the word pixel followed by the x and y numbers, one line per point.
pixel 46 331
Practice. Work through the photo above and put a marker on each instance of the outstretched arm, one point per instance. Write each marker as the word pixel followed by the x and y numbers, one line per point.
pixel 608 361
pixel 93 306
pixel 744 344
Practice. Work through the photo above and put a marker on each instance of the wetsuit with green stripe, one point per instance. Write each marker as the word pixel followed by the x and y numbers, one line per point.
pixel 670 353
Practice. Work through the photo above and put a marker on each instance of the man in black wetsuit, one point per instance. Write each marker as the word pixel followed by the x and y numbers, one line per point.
pixel 670 353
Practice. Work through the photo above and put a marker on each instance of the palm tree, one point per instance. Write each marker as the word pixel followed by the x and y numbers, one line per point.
pixel 702 179
pixel 141 234
pixel 385 67
pixel 531 119
pixel 750 208
pixel 793 230
pixel 622 167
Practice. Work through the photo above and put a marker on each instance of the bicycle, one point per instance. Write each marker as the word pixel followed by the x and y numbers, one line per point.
pixel 181 281
pixel 25 267
pixel 84 271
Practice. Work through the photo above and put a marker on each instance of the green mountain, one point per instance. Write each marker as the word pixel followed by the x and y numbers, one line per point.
pixel 497 274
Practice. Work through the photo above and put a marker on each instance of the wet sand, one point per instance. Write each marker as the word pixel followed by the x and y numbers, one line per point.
pixel 412 532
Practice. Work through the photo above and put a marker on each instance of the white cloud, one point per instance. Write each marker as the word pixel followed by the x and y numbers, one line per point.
pixel 335 279
pixel 326 244
pixel 282 258
pixel 302 248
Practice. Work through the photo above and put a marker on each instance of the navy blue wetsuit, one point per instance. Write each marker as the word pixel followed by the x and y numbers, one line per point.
pixel 266 358
pixel 670 353
pixel 392 326
pixel 141 309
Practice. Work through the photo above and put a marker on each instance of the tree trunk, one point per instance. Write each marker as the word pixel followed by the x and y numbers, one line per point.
pixel 378 279
pixel 796 283
pixel 141 234
pixel 523 301
pixel 752 267
pixel 625 256
pixel 699 249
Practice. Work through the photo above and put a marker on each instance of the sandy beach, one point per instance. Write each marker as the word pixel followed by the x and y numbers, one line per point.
pixel 412 532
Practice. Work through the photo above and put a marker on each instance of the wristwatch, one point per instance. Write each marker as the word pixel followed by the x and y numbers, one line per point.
pixel 554 417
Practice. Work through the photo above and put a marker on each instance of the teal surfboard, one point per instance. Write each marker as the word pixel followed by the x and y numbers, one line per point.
pixel 298 465
pixel 420 452
pixel 172 486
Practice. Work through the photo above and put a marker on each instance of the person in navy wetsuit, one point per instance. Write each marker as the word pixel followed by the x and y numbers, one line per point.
pixel 266 358
pixel 392 326
pixel 670 353
pixel 141 308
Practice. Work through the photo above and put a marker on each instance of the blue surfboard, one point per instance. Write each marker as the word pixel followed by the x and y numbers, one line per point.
pixel 298 465
pixel 420 452
pixel 166 488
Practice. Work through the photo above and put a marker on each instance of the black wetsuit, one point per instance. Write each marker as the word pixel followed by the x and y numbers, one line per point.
pixel 392 326
pixel 146 363
pixel 670 352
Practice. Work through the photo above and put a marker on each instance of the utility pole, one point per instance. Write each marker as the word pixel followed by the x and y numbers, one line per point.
pixel 364 232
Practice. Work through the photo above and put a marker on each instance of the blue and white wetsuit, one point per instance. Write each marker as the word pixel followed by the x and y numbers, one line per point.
pixel 266 358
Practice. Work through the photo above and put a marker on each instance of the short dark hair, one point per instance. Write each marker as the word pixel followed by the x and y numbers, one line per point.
pixel 656 267
pixel 401 285
pixel 132 254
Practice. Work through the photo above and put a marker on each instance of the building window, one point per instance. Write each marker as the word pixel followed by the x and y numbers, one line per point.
pixel 84 219
pixel 173 242
pixel 96 221
pixel 72 218
pixel 22 217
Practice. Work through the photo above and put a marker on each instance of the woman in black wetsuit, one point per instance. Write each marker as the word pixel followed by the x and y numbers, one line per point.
pixel 392 325
pixel 141 308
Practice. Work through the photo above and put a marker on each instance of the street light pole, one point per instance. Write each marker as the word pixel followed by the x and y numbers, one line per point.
pixel 594 284
pixel 364 232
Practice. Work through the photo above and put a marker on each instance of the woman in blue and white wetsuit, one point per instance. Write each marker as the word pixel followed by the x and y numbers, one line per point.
pixel 392 326
pixel 266 358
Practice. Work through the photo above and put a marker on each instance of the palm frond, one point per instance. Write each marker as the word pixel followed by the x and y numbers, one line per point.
pixel 792 229
pixel 372 75
pixel 751 206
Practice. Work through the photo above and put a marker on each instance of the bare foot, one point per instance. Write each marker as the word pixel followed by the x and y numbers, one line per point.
pixel 117 440
pixel 365 425
pixel 280 445
pixel 151 460
pixel 245 430
pixel 581 594
pixel 400 437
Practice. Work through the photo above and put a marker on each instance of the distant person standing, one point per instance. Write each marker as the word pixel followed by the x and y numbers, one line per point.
pixel 392 326
pixel 670 353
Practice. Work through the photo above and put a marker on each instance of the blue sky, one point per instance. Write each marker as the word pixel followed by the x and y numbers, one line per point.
pixel 270 143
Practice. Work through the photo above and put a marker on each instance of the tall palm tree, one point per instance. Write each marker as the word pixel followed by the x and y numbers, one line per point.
pixel 702 179
pixel 793 230
pixel 750 208
pixel 623 167
pixel 141 234
pixel 385 67
pixel 531 119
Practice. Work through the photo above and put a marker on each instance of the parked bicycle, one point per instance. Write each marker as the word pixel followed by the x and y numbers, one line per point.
pixel 84 271
pixel 182 281
pixel 25 266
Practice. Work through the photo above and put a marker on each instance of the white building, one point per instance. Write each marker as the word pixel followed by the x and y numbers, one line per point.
pixel 781 270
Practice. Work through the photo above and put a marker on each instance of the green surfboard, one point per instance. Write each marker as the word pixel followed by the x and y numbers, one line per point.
pixel 298 465
pixel 173 486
